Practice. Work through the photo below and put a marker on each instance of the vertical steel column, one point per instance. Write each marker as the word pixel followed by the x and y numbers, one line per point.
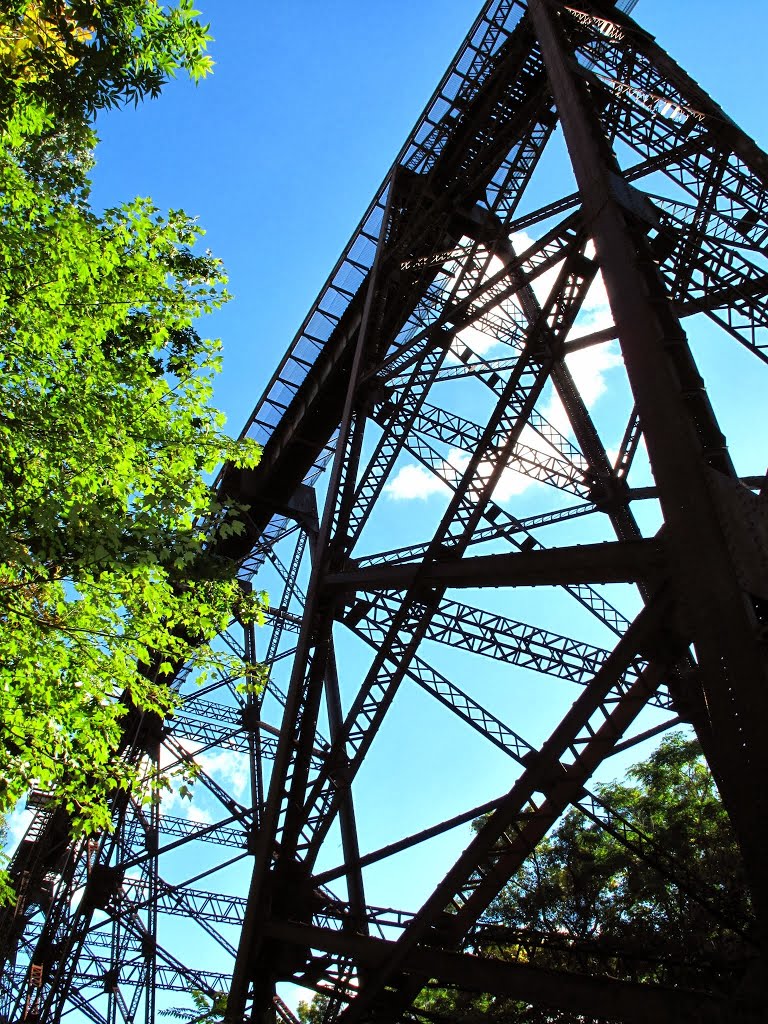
pixel 309 673
pixel 347 821
pixel 686 453
pixel 252 716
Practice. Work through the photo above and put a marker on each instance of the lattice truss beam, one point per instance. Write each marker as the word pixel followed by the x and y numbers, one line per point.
pixel 446 353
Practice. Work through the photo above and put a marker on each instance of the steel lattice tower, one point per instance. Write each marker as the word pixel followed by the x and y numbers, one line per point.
pixel 663 574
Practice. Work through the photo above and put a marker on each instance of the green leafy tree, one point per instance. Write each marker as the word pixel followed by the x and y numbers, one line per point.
pixel 108 574
pixel 583 902
pixel 583 886
pixel 206 1008
pixel 64 60
pixel 313 1012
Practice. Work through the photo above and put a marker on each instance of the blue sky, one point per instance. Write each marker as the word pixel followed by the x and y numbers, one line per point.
pixel 281 150
pixel 279 154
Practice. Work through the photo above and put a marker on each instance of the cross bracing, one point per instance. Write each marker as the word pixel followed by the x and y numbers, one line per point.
pixel 616 575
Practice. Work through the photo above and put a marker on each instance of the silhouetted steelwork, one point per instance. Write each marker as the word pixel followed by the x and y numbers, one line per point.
pixel 388 372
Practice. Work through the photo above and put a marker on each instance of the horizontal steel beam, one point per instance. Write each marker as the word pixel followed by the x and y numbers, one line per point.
pixel 584 563
pixel 592 996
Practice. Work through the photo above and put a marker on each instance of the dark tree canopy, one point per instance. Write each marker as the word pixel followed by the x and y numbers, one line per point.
pixel 584 903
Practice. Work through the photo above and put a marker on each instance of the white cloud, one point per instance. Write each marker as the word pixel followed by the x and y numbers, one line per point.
pixel 413 481
pixel 416 482
pixel 198 815
pixel 295 994
pixel 554 412
pixel 542 285
pixel 168 756
pixel 595 314
pixel 510 482
pixel 589 367
pixel 229 768
pixel 474 338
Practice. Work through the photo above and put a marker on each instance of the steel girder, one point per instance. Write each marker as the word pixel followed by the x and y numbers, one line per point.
pixel 657 618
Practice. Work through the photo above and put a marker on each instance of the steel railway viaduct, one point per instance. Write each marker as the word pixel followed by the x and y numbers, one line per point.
pixel 442 342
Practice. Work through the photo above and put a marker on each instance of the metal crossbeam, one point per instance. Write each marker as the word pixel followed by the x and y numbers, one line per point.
pixel 443 354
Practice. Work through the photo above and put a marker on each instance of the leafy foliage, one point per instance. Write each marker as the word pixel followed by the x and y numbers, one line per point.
pixel 206 1008
pixel 584 902
pixel 313 1012
pixel 64 60
pixel 583 886
pixel 107 436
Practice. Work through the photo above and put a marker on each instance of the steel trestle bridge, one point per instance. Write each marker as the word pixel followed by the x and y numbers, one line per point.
pixel 444 344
